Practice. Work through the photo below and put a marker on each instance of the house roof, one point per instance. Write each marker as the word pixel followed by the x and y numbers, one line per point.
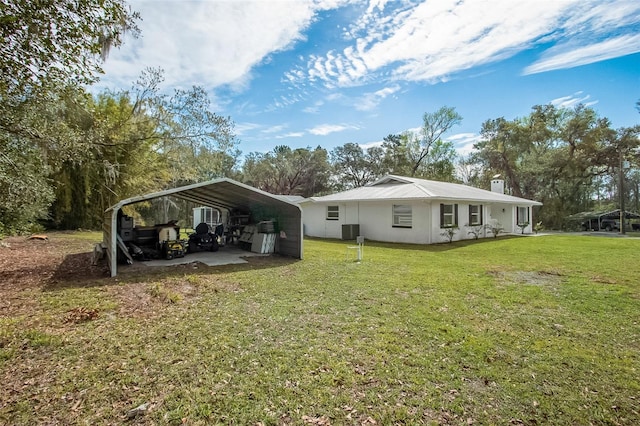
pixel 393 187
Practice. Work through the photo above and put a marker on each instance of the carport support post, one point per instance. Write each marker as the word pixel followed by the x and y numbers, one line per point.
pixel 114 242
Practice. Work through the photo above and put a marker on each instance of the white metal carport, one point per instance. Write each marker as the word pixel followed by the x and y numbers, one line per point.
pixel 224 194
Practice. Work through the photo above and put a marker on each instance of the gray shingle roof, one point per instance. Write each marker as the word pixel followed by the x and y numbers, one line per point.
pixel 393 187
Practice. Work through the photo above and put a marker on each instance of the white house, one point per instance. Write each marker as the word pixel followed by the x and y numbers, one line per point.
pixel 408 210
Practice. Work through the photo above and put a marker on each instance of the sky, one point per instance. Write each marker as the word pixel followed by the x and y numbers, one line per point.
pixel 328 72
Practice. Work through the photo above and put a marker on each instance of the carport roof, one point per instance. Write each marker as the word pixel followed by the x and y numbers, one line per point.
pixel 614 214
pixel 224 193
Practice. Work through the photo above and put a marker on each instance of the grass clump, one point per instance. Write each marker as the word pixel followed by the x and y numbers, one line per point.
pixel 165 294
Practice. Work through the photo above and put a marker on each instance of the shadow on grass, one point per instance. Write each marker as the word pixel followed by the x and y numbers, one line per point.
pixel 144 273
pixel 430 248
pixel 76 271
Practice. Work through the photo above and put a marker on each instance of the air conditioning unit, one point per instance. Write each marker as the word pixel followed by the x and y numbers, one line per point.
pixel 350 232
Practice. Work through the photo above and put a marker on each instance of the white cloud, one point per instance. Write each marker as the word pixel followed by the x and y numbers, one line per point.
pixel 431 40
pixel 368 145
pixel 220 43
pixel 209 43
pixel 570 56
pixel 598 16
pixel 325 129
pixel 463 142
pixel 573 100
pixel 275 129
pixel 371 100
pixel 313 109
pixel 291 135
pixel 242 128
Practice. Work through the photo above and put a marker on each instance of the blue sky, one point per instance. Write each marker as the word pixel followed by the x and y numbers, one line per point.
pixel 328 72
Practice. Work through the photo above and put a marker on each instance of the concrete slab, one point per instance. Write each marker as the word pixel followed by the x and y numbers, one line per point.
pixel 226 255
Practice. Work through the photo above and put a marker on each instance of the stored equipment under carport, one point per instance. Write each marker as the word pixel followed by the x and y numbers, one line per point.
pixel 202 240
pixel 149 242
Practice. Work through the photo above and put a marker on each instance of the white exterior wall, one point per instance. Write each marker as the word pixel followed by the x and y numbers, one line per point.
pixel 316 223
pixel 505 215
pixel 463 218
pixel 376 221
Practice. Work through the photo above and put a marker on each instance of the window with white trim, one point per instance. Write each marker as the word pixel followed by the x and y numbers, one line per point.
pixel 523 215
pixel 402 216
pixel 448 215
pixel 333 212
pixel 475 214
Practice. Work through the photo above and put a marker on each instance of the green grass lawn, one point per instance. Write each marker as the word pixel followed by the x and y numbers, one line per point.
pixel 524 330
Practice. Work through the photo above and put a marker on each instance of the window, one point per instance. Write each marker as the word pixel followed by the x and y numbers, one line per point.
pixel 333 212
pixel 475 214
pixel 523 215
pixel 209 215
pixel 448 215
pixel 402 217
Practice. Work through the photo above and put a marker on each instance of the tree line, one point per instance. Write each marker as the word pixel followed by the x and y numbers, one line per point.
pixel 570 159
pixel 67 154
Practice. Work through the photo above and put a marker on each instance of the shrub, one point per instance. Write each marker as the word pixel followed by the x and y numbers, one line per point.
pixel 475 230
pixel 449 233
pixel 523 226
pixel 494 227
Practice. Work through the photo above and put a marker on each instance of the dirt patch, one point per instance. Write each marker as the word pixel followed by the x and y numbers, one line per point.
pixel 28 265
pixel 81 314
pixel 603 280
pixel 527 277
pixel 135 300
pixel 63 260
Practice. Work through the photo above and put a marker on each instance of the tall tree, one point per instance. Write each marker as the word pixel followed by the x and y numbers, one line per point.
pixel 45 140
pixel 139 141
pixel 287 171
pixel 354 166
pixel 434 126
pixel 51 43
pixel 48 50
pixel 396 160
pixel 406 154
pixel 440 163
pixel 554 155
pixel 22 200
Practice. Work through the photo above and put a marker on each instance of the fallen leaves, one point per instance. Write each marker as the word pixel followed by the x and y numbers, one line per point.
pixel 140 410
pixel 80 314
pixel 317 421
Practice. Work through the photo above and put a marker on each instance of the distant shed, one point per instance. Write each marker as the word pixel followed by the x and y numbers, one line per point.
pixel 224 194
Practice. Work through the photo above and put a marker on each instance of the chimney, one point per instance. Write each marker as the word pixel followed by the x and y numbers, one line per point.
pixel 497 185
